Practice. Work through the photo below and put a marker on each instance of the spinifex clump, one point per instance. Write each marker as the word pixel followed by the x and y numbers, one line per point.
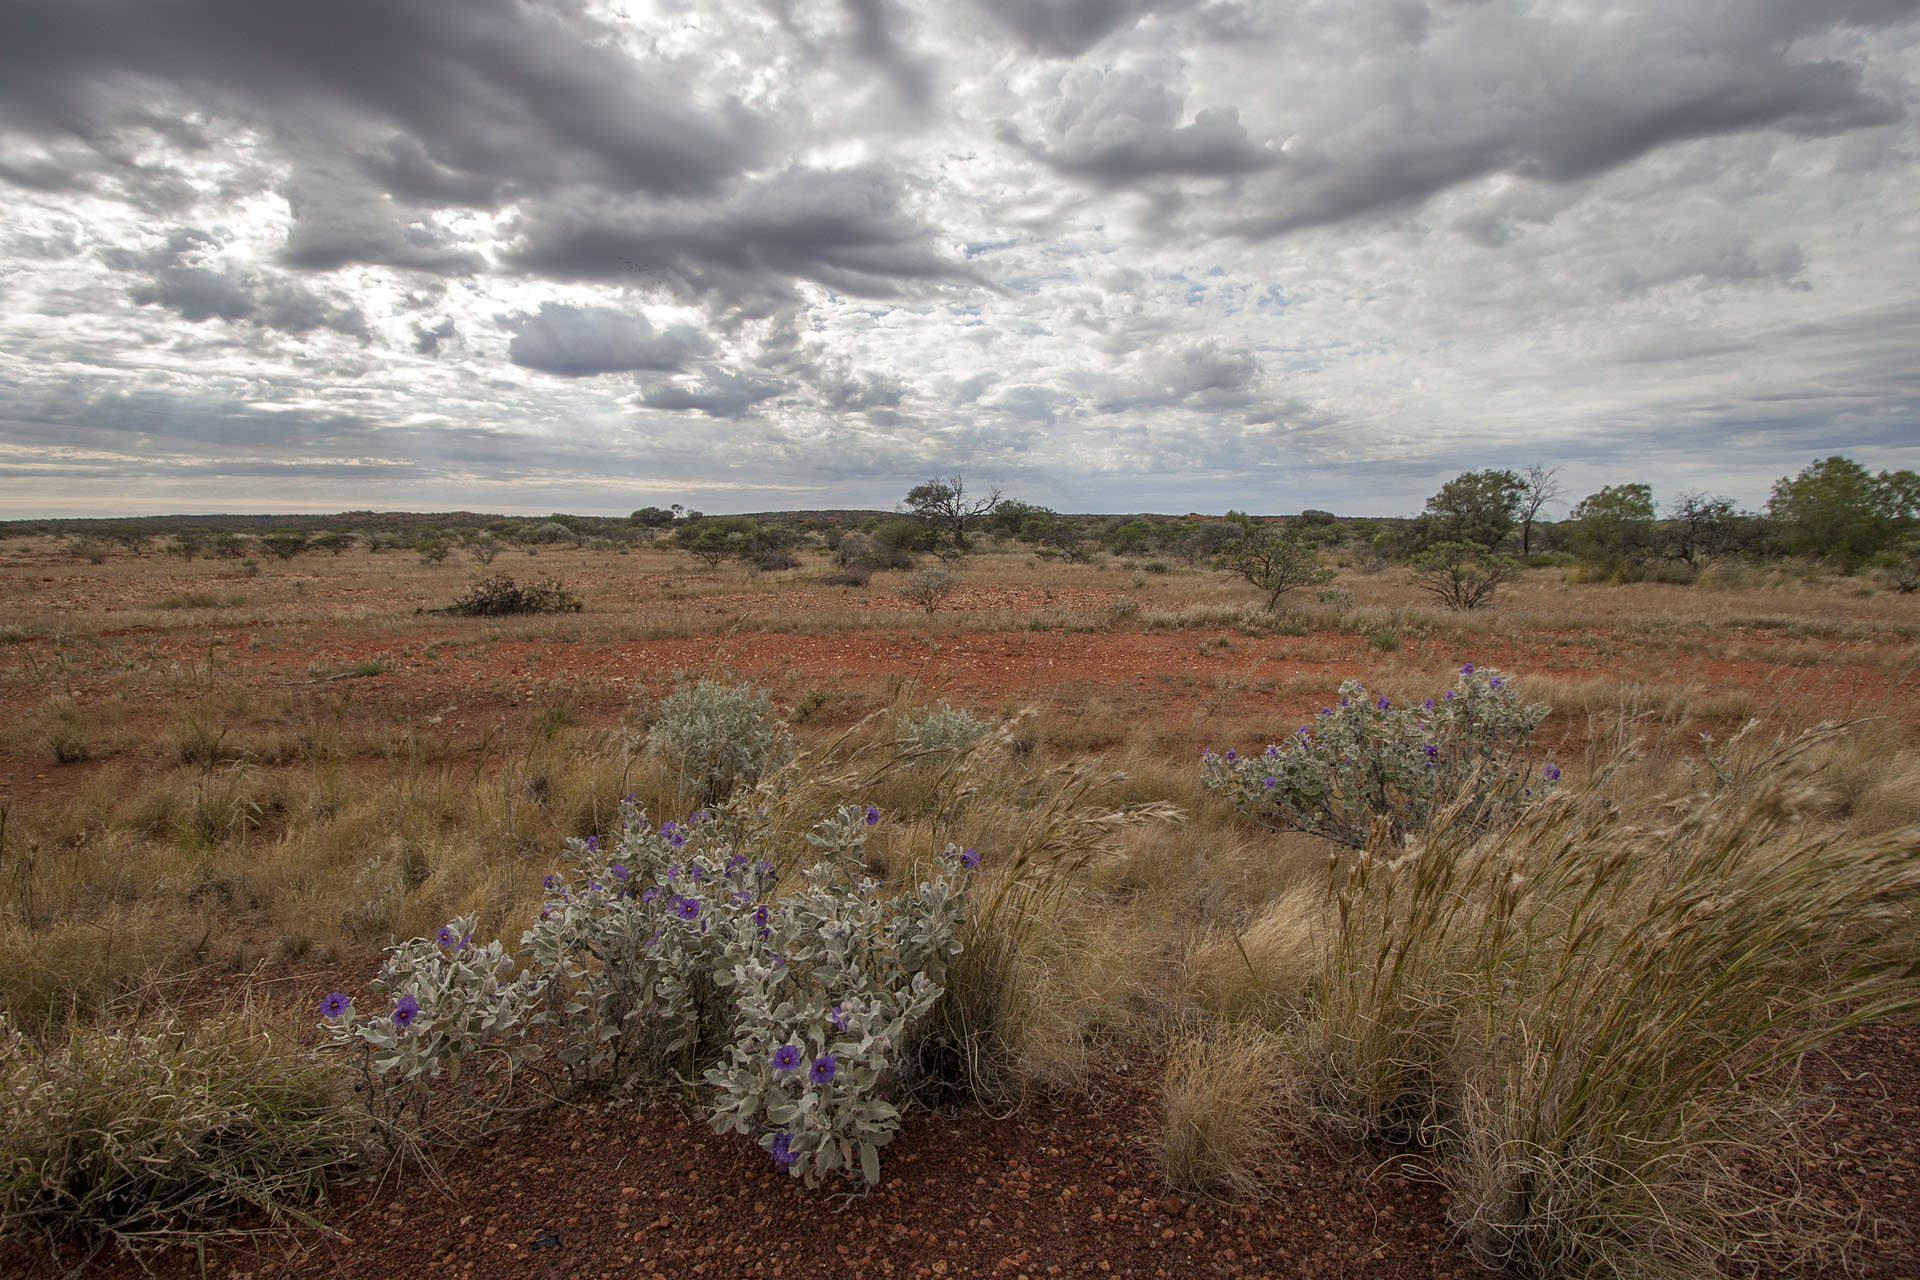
pixel 1368 760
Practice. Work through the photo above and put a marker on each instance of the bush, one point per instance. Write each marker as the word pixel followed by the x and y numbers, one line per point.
pixel 1376 766
pixel 500 595
pixel 138 1135
pixel 928 587
pixel 1461 575
pixel 665 952
pixel 717 737
pixel 944 729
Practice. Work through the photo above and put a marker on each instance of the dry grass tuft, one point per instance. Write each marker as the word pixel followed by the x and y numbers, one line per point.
pixel 1221 1109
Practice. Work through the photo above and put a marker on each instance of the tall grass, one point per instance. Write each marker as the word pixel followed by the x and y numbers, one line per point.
pixel 1593 1020
pixel 169 1129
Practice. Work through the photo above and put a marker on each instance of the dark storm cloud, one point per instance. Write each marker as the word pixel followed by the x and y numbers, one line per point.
pixel 187 277
pixel 1121 127
pixel 720 393
pixel 426 341
pixel 847 230
pixel 1554 104
pixel 1068 28
pixel 577 342
pixel 874 43
pixel 441 103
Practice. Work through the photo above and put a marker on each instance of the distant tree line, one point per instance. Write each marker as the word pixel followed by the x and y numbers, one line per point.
pixel 1477 531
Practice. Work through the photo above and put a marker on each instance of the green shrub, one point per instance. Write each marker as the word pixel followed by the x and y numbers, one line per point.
pixel 500 595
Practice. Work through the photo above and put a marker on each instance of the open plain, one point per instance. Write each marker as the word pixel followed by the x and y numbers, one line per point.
pixel 227 787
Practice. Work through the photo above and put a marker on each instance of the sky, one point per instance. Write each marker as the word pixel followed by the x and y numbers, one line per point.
pixel 524 256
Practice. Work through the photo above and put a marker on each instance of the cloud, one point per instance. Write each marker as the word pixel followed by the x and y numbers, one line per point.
pixel 1120 127
pixel 187 277
pixel 498 92
pixel 848 230
pixel 577 342
pixel 719 393
pixel 1067 28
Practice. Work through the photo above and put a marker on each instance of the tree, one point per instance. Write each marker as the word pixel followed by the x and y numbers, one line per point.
pixel 1700 526
pixel 653 517
pixel 285 544
pixel 1276 560
pixel 1613 528
pixel 1835 508
pixel 333 542
pixel 1478 507
pixel 943 503
pixel 1462 575
pixel 1538 488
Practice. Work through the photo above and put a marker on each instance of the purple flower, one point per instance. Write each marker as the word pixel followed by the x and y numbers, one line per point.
pixel 764 867
pixel 1381 702
pixel 619 871
pixel 696 873
pixel 783 1155
pixel 1433 752
pixel 739 897
pixel 687 909
pixel 1273 749
pixel 1496 683
pixel 546 913
pixel 836 1016
pixel 699 816
pixel 1232 755
pixel 650 896
pixel 668 827
pixel 677 839
pixel 405 1010
pixel 446 937
pixel 1449 695
pixel 593 844
pixel 786 1057
pixel 823 1069
pixel 1552 772
pixel 1327 711
pixel 970 858
pixel 1269 782
pixel 873 815
pixel 1467 670
pixel 1428 704
pixel 335 1004
pixel 466 940
pixel 550 882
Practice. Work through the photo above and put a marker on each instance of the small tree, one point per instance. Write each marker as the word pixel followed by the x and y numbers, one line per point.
pixel 1462 575
pixel 1700 526
pixel 332 542
pixel 284 544
pixel 1480 507
pixel 1276 560
pixel 1538 487
pixel 943 504
pixel 1613 529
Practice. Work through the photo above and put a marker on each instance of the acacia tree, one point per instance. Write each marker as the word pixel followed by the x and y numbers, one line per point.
pixel 1480 507
pixel 1276 560
pixel 1835 508
pixel 1462 575
pixel 943 503
pixel 1538 487
pixel 1700 526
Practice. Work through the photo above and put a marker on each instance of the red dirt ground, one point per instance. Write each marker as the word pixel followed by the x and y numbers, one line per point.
pixel 1063 1186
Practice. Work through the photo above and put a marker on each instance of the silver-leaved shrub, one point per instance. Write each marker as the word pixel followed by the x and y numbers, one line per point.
pixel 1368 760
pixel 824 992
pixel 665 949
